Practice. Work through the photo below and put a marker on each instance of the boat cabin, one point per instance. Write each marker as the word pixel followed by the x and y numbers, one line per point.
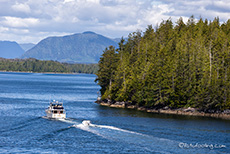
pixel 56 110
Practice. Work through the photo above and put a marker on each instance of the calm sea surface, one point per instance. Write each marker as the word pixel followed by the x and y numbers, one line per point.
pixel 25 96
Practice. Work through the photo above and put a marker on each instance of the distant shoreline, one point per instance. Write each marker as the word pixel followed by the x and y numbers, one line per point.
pixel 32 65
pixel 39 72
pixel 180 111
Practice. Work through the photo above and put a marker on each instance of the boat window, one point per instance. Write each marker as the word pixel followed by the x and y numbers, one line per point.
pixel 58 107
pixel 55 111
pixel 61 111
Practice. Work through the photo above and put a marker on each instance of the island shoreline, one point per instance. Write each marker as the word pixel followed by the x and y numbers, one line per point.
pixel 2 71
pixel 179 111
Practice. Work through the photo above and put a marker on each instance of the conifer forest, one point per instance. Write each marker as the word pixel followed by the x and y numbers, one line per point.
pixel 186 64
pixel 39 66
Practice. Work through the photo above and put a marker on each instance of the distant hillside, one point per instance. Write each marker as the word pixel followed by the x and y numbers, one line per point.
pixel 27 46
pixel 10 49
pixel 117 40
pixel 78 48
pixel 34 65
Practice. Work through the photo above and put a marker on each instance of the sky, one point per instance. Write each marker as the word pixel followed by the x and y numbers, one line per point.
pixel 29 21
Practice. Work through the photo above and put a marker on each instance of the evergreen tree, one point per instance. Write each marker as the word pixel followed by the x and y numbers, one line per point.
pixel 187 65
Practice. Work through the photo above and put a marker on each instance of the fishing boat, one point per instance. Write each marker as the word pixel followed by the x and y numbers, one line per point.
pixel 56 110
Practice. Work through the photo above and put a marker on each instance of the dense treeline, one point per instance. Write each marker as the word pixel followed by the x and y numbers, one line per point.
pixel 181 65
pixel 34 65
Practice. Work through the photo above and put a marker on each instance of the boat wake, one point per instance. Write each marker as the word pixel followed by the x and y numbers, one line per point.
pixel 147 142
pixel 89 124
pixel 70 121
pixel 66 120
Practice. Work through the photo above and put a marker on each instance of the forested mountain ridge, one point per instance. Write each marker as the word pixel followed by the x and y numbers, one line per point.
pixel 186 65
pixel 77 48
pixel 34 65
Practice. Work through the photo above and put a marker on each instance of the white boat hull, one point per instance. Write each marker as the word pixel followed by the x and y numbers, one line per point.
pixel 55 115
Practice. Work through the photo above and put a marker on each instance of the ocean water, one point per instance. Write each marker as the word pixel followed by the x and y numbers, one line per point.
pixel 25 96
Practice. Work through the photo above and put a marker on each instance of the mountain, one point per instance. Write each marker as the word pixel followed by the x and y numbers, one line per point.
pixel 27 46
pixel 84 47
pixel 117 40
pixel 10 49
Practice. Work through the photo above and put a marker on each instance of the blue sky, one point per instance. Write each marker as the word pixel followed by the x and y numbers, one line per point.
pixel 29 21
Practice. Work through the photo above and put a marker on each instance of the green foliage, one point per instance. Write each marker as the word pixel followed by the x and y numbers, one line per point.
pixel 34 65
pixel 107 68
pixel 186 65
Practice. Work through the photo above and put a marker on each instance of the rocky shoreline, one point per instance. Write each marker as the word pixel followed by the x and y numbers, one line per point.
pixel 181 111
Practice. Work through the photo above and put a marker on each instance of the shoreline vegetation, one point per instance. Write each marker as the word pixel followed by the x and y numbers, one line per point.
pixel 37 72
pixel 173 69
pixel 32 65
pixel 166 110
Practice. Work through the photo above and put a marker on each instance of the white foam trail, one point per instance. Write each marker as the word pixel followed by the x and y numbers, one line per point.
pixel 147 142
pixel 124 135
pixel 86 128
pixel 115 128
pixel 82 126
pixel 88 123
pixel 67 121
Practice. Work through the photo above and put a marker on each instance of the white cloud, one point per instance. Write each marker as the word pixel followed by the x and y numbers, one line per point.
pixel 21 7
pixel 200 8
pixel 19 22
pixel 3 29
pixel 219 6
pixel 20 31
pixel 113 18
pixel 67 1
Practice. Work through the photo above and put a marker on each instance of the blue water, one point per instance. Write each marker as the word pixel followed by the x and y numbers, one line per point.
pixel 25 96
